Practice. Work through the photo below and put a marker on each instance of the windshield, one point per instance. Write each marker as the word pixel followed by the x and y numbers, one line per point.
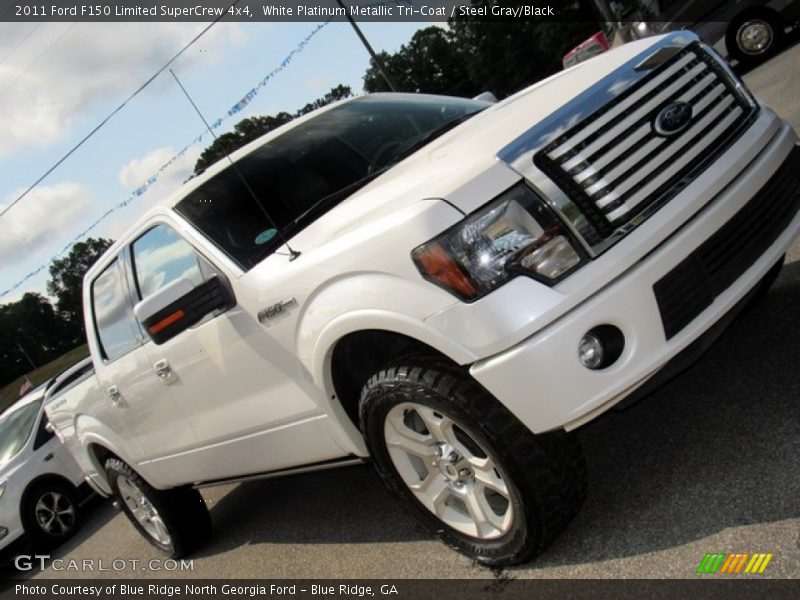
pixel 299 175
pixel 15 427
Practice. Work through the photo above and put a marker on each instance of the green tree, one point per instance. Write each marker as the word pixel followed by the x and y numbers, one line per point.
pixel 30 329
pixel 430 63
pixel 506 56
pixel 475 55
pixel 66 281
pixel 340 92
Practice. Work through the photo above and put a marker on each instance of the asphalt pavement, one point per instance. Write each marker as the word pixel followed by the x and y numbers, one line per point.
pixel 709 463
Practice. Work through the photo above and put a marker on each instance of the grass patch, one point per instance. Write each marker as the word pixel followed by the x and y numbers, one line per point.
pixel 10 393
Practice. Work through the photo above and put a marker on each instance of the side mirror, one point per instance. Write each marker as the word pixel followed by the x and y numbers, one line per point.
pixel 486 97
pixel 179 305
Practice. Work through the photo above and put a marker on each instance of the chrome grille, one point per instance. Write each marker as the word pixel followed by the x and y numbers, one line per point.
pixel 618 170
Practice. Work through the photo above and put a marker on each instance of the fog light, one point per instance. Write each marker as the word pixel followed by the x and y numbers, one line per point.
pixel 590 351
pixel 600 347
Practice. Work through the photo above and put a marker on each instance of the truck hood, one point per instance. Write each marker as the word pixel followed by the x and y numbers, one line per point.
pixel 466 158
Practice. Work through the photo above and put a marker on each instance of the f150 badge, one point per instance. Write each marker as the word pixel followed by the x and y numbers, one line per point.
pixel 276 309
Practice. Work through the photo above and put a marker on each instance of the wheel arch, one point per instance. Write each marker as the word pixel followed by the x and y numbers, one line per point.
pixel 358 355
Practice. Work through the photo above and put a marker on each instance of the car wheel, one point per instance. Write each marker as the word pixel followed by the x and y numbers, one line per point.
pixel 751 38
pixel 175 521
pixel 51 513
pixel 474 475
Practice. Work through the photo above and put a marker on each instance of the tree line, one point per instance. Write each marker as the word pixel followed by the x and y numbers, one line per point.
pixel 34 331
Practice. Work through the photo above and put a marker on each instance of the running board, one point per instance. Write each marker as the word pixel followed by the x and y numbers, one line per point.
pixel 321 466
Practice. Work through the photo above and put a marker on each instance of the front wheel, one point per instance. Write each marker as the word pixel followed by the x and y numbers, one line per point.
pixel 466 467
pixel 175 521
pixel 51 513
pixel 754 37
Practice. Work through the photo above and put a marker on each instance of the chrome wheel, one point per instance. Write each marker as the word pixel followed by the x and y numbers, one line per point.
pixel 143 511
pixel 448 471
pixel 55 513
pixel 754 37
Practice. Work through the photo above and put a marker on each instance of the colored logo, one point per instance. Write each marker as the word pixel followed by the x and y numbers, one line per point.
pixel 673 119
pixel 734 563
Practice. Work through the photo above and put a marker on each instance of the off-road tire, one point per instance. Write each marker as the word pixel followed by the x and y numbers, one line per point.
pixel 547 473
pixel 182 510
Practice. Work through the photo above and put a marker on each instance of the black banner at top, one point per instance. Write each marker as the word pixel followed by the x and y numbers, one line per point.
pixel 687 11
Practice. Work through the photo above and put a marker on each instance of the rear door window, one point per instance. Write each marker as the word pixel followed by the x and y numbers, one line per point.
pixel 117 330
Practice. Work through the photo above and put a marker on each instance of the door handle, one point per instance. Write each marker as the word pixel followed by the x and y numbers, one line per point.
pixel 113 395
pixel 162 369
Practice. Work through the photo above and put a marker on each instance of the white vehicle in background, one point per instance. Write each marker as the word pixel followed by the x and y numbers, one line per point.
pixel 40 483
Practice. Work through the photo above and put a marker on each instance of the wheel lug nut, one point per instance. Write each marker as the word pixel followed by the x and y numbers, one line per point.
pixel 465 472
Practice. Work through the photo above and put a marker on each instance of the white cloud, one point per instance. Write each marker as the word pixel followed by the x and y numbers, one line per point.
pixel 48 211
pixel 63 72
pixel 137 170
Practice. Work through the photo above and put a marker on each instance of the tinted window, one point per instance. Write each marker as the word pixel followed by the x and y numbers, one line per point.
pixel 42 435
pixel 15 427
pixel 117 330
pixel 297 176
pixel 160 257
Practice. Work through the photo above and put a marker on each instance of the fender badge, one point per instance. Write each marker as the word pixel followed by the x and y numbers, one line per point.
pixel 276 309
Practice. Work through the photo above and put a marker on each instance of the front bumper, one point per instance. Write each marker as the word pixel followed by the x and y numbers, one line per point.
pixel 541 380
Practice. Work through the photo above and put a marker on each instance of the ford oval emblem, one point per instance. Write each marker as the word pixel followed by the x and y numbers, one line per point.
pixel 673 118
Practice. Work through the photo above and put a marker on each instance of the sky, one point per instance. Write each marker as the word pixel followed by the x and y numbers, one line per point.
pixel 58 81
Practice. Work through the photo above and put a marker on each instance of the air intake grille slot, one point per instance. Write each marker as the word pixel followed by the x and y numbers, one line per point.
pixel 712 268
pixel 618 170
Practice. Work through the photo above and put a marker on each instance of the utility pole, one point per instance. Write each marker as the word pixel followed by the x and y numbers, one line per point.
pixel 25 354
pixel 375 57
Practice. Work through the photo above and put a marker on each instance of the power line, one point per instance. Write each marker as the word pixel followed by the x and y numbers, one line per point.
pixel 35 60
pixel 19 43
pixel 116 110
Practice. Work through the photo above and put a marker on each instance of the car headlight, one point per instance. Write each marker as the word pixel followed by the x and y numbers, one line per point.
pixel 516 234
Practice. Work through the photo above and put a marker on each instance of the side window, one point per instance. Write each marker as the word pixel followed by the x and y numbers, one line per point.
pixel 116 326
pixel 42 435
pixel 161 256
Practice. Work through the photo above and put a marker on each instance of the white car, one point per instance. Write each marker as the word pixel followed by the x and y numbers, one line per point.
pixel 40 483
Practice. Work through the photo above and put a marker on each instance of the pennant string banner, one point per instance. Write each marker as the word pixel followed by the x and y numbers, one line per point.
pixel 152 179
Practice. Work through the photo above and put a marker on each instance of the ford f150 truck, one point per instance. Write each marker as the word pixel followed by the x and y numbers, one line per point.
pixel 444 286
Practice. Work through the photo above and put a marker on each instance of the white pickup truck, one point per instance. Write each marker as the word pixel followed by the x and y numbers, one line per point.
pixel 444 286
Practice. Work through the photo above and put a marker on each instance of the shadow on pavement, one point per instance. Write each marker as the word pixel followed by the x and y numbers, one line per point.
pixel 341 506
pixel 718 447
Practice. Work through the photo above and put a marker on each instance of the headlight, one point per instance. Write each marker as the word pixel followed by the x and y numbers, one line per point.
pixel 516 234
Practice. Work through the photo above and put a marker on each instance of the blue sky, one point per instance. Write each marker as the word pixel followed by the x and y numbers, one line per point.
pixel 59 80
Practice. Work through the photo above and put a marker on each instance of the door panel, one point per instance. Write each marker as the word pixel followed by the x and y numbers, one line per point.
pixel 244 396
pixel 149 418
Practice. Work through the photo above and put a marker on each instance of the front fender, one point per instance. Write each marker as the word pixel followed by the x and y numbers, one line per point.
pixel 369 301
